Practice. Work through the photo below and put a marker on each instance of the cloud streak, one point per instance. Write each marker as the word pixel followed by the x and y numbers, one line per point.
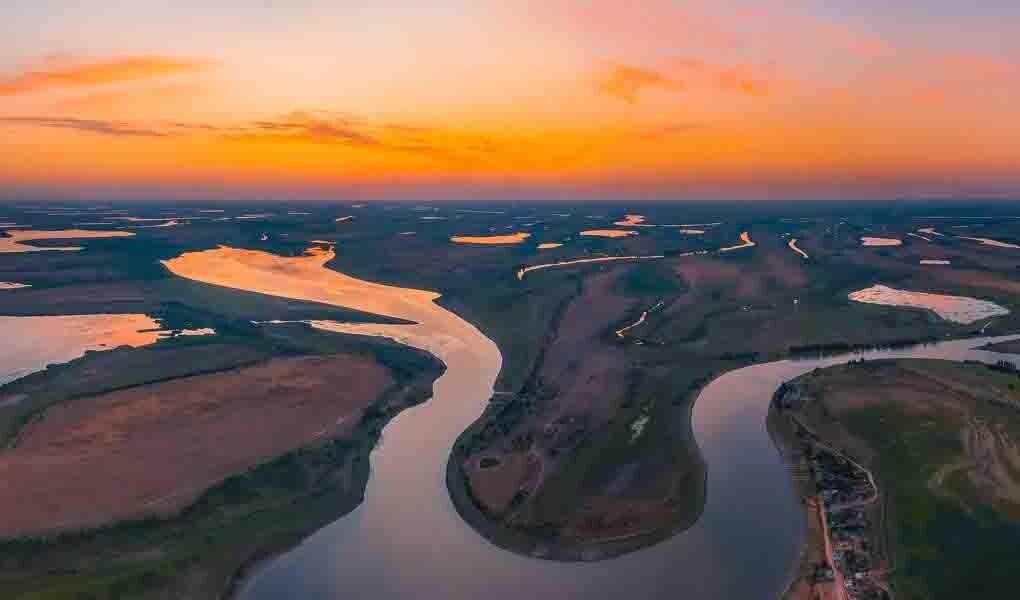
pixel 63 75
pixel 97 126
pixel 628 82
pixel 310 127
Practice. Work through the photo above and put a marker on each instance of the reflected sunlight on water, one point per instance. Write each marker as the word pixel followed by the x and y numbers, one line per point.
pixel 959 309
pixel 31 343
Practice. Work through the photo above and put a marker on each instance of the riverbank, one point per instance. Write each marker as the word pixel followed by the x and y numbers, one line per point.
pixel 197 552
pixel 931 442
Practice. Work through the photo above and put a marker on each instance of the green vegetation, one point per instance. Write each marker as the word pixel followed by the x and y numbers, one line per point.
pixel 943 436
pixel 720 313
pixel 650 279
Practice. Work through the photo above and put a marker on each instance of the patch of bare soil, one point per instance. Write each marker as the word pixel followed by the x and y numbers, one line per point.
pixel 151 450
pixel 581 454
pixel 590 383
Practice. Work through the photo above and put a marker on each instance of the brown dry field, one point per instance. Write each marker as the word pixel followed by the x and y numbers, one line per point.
pixel 152 450
pixel 593 382
pixel 589 392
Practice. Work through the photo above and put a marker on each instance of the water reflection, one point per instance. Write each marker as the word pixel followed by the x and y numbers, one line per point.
pixel 879 241
pixel 608 233
pixel 407 541
pixel 959 309
pixel 14 242
pixel 31 343
pixel 514 238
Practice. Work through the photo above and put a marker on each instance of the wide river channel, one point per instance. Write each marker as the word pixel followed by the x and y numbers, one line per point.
pixel 407 541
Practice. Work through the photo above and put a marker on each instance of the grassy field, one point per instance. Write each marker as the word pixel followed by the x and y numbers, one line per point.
pixel 941 439
pixel 719 312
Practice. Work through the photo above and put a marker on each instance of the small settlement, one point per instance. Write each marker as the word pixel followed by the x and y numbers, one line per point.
pixel 844 490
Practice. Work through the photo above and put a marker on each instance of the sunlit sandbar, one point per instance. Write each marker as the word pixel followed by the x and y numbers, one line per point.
pixel 14 242
pixel 608 233
pixel 10 285
pixel 549 245
pixel 935 261
pixel 491 240
pixel 880 241
pixel 958 309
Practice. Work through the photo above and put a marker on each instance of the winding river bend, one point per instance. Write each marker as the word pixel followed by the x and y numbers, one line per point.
pixel 407 541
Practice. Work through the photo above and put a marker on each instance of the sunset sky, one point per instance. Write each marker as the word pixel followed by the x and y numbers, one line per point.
pixel 512 99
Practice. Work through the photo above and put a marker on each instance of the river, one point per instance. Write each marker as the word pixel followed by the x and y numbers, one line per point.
pixel 407 541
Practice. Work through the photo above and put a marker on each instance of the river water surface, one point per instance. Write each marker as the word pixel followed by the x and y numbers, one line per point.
pixel 32 343
pixel 407 541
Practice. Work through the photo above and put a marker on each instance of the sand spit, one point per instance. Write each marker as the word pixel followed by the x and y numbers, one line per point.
pixel 934 261
pixel 14 242
pixel 958 309
pixel 930 231
pixel 10 285
pixel 549 245
pixel 490 240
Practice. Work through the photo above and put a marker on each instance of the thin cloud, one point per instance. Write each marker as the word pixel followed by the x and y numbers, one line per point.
pixel 745 79
pixel 318 127
pixel 111 128
pixel 626 82
pixel 61 74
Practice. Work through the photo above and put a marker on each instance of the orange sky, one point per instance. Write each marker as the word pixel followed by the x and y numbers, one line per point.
pixel 469 100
